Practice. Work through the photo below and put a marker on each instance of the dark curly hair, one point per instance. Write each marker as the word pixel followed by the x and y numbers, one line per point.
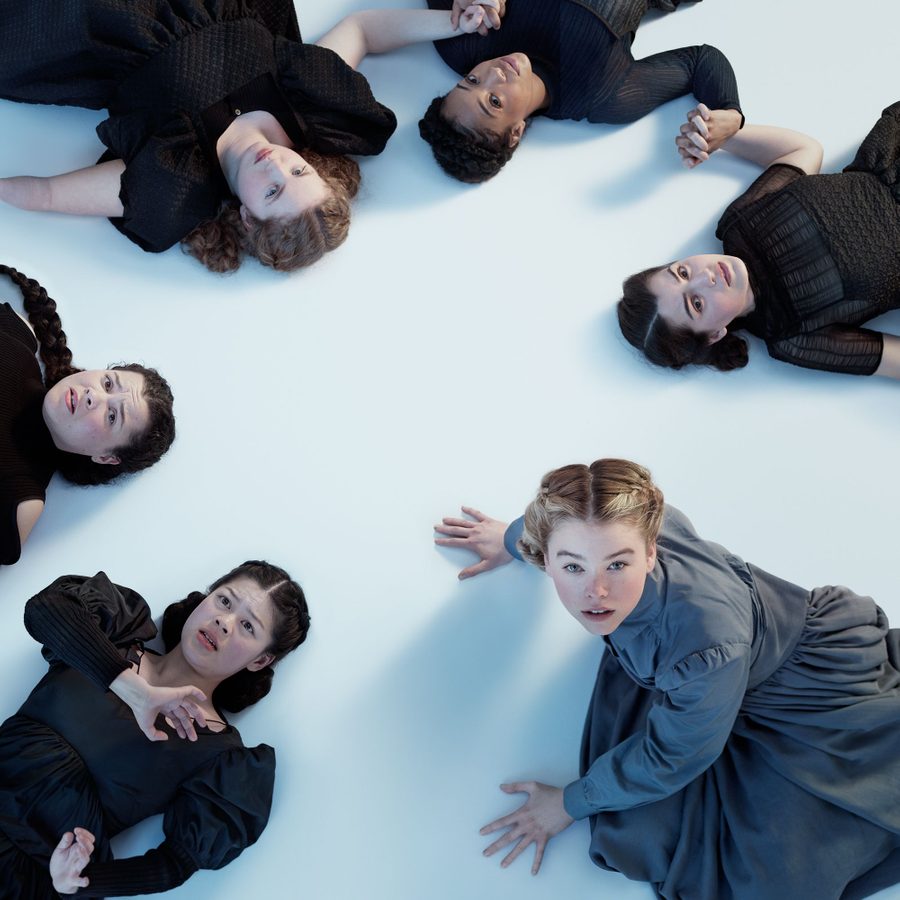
pixel 465 154
pixel 147 447
pixel 283 244
pixel 673 348
pixel 291 626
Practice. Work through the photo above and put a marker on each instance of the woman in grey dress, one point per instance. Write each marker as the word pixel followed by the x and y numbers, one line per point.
pixel 741 739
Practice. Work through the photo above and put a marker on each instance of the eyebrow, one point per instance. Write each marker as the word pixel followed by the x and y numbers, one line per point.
pixel 687 306
pixel 122 416
pixel 464 87
pixel 247 608
pixel 625 551
pixel 569 553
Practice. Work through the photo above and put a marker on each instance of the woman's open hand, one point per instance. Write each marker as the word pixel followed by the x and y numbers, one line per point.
pixel 481 534
pixel 71 855
pixel 477 15
pixel 180 705
pixel 540 818
pixel 704 132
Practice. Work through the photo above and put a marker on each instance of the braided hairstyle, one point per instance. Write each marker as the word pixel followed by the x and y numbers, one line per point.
pixel 283 244
pixel 608 490
pixel 289 630
pixel 465 154
pixel 673 348
pixel 146 448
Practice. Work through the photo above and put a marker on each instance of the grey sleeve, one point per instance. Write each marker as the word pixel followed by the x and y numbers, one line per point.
pixel 513 533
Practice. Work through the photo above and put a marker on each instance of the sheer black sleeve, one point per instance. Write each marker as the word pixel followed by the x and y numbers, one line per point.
pixel 835 348
pixel 702 70
pixel 81 622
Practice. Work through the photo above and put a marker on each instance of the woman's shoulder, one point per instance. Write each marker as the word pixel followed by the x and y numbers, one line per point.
pixel 771 182
pixel 14 328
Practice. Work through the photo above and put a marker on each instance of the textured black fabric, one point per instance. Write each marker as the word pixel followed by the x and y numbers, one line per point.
pixel 73 755
pixel 822 255
pixel 581 49
pixel 27 452
pixel 157 65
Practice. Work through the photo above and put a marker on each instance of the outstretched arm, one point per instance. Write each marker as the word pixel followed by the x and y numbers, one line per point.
pixel 92 191
pixel 481 534
pixel 765 145
pixel 383 30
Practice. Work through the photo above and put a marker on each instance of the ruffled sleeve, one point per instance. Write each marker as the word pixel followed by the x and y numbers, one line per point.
pixel 217 813
pixel 81 622
pixel 879 153
pixel 686 729
pixel 168 187
pixel 334 103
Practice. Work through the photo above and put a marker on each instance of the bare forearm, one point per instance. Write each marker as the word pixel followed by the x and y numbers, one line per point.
pixel 383 30
pixel 889 367
pixel 767 145
pixel 92 191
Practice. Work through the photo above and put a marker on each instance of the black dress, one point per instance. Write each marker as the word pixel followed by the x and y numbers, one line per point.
pixel 74 755
pixel 174 74
pixel 27 452
pixel 581 49
pixel 822 253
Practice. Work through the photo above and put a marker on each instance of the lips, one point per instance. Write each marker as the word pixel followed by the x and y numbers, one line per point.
pixel 511 63
pixel 597 613
pixel 72 400
pixel 263 154
pixel 205 640
pixel 725 273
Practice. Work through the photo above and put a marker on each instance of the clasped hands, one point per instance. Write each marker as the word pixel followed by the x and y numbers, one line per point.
pixel 477 15
pixel 704 132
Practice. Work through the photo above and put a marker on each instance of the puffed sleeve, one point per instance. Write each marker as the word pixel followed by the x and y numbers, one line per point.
pixel 879 153
pixel 511 537
pixel 334 102
pixel 774 179
pixel 216 814
pixel 686 730
pixel 167 188
pixel 10 542
pixel 81 621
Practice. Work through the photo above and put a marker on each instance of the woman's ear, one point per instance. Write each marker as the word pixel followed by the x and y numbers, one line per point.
pixel 651 555
pixel 107 459
pixel 266 659
pixel 715 336
pixel 514 135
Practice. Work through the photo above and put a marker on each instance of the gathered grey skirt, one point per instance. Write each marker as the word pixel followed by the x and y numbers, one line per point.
pixel 804 801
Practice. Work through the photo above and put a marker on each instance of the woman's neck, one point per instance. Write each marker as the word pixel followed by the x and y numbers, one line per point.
pixel 540 97
pixel 173 670
pixel 246 130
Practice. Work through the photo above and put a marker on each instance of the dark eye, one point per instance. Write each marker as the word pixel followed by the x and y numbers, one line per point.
pixel 111 417
pixel 472 79
pixel 495 101
pixel 682 272
pixel 107 383
pixel 697 303
pixel 247 626
pixel 226 602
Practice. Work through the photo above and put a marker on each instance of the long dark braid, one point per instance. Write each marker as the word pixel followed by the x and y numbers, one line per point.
pixel 53 346
pixel 47 325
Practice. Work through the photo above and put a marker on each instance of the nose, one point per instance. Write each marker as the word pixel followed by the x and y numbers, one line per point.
pixel 222 624
pixel 597 588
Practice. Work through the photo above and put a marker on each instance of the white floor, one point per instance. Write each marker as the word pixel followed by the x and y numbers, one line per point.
pixel 461 343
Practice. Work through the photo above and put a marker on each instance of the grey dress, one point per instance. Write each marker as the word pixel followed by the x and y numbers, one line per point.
pixel 742 739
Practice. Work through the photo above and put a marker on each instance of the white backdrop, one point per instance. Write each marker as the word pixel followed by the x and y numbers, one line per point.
pixel 460 344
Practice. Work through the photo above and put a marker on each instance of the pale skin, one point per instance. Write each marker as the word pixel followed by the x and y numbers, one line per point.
pixel 94 190
pixel 226 633
pixel 706 131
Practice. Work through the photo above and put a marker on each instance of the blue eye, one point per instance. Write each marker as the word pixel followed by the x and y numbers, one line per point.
pixel 616 566
pixel 271 192
pixel 574 568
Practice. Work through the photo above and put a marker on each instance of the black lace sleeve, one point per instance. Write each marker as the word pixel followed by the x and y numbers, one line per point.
pixel 835 348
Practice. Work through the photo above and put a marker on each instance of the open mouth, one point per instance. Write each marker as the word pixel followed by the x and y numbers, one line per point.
pixel 206 640
pixel 725 273
pixel 71 400
pixel 597 614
